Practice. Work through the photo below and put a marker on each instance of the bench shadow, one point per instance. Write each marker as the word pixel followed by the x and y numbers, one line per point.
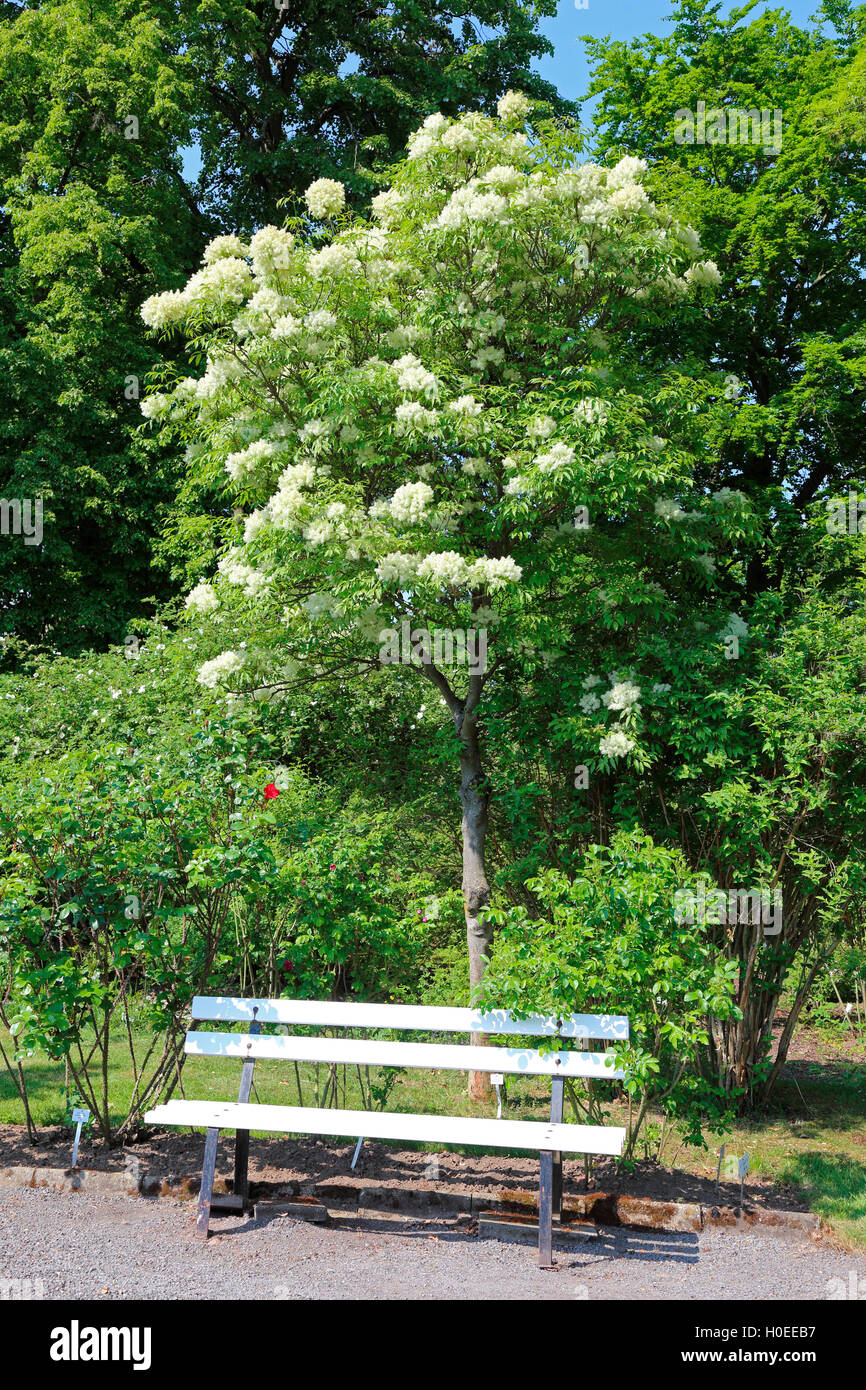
pixel 612 1242
pixel 681 1247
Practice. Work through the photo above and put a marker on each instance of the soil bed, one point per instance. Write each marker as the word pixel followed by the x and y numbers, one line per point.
pixel 299 1164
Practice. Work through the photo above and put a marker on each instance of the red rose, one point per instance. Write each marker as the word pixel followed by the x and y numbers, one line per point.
pixel 271 791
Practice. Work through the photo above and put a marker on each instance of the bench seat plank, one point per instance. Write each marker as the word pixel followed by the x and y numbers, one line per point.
pixel 534 1135
pixel 525 1061
pixel 424 1017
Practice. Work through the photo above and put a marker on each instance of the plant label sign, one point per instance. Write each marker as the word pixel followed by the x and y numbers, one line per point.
pixel 734 1166
pixel 79 1118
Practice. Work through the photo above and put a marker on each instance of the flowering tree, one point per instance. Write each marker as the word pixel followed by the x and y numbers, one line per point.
pixel 438 420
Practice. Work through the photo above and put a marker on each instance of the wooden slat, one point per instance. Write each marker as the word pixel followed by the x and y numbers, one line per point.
pixel 435 1129
pixel 310 1012
pixel 372 1053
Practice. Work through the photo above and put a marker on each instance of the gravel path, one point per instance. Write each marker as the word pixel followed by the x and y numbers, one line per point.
pixel 119 1248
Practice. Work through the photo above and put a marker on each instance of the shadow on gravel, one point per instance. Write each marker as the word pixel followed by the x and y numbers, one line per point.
pixel 678 1247
pixel 654 1247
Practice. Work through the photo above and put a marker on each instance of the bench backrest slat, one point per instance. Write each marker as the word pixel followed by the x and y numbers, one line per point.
pixel 526 1061
pixel 425 1018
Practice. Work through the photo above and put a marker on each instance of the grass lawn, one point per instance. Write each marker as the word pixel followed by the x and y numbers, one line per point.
pixel 811 1140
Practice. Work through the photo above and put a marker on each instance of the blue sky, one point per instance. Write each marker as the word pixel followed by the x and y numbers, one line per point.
pixel 620 19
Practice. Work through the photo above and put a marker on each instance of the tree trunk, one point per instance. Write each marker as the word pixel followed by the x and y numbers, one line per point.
pixel 476 890
pixel 474 797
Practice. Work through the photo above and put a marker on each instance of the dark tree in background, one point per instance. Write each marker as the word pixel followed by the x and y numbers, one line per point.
pixel 301 90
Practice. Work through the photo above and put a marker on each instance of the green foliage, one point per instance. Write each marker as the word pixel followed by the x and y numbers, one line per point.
pixel 786 226
pixel 140 864
pixel 608 944
pixel 118 872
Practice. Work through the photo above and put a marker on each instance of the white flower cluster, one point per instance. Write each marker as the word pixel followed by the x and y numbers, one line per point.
pixel 460 138
pixel 334 260
pixel 542 427
pixel 315 430
pixel 388 204
pixel 288 507
pixel 703 273
pixel 472 203
pixel 487 357
pixel 622 696
pixel 513 107
pixel 325 198
pixel 397 568
pixel 213 673
pixel 467 406
pixel 668 509
pixel 413 376
pixel 558 456
pixel 271 252
pixel 591 412
pixel 411 415
pixel 222 246
pixel 410 503
pixel 202 598
pixel 497 572
pixel 223 282
pixel 423 140
pixel 616 744
pixel 448 569
pixel 237 572
pixel 287 327
pixel 241 464
pixel 321 321
pixel 155 407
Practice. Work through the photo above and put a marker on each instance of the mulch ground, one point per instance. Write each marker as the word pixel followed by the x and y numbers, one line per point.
pixel 277 1162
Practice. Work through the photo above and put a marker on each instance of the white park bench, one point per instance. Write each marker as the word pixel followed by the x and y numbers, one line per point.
pixel 550 1141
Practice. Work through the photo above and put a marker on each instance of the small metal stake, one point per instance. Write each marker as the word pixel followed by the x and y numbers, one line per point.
pixel 79 1118
pixel 498 1080
pixel 357 1151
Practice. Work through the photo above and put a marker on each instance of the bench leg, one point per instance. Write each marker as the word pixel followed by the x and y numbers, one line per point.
pixel 557 1099
pixel 207 1177
pixel 556 1202
pixel 242 1137
pixel 242 1159
pixel 545 1212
